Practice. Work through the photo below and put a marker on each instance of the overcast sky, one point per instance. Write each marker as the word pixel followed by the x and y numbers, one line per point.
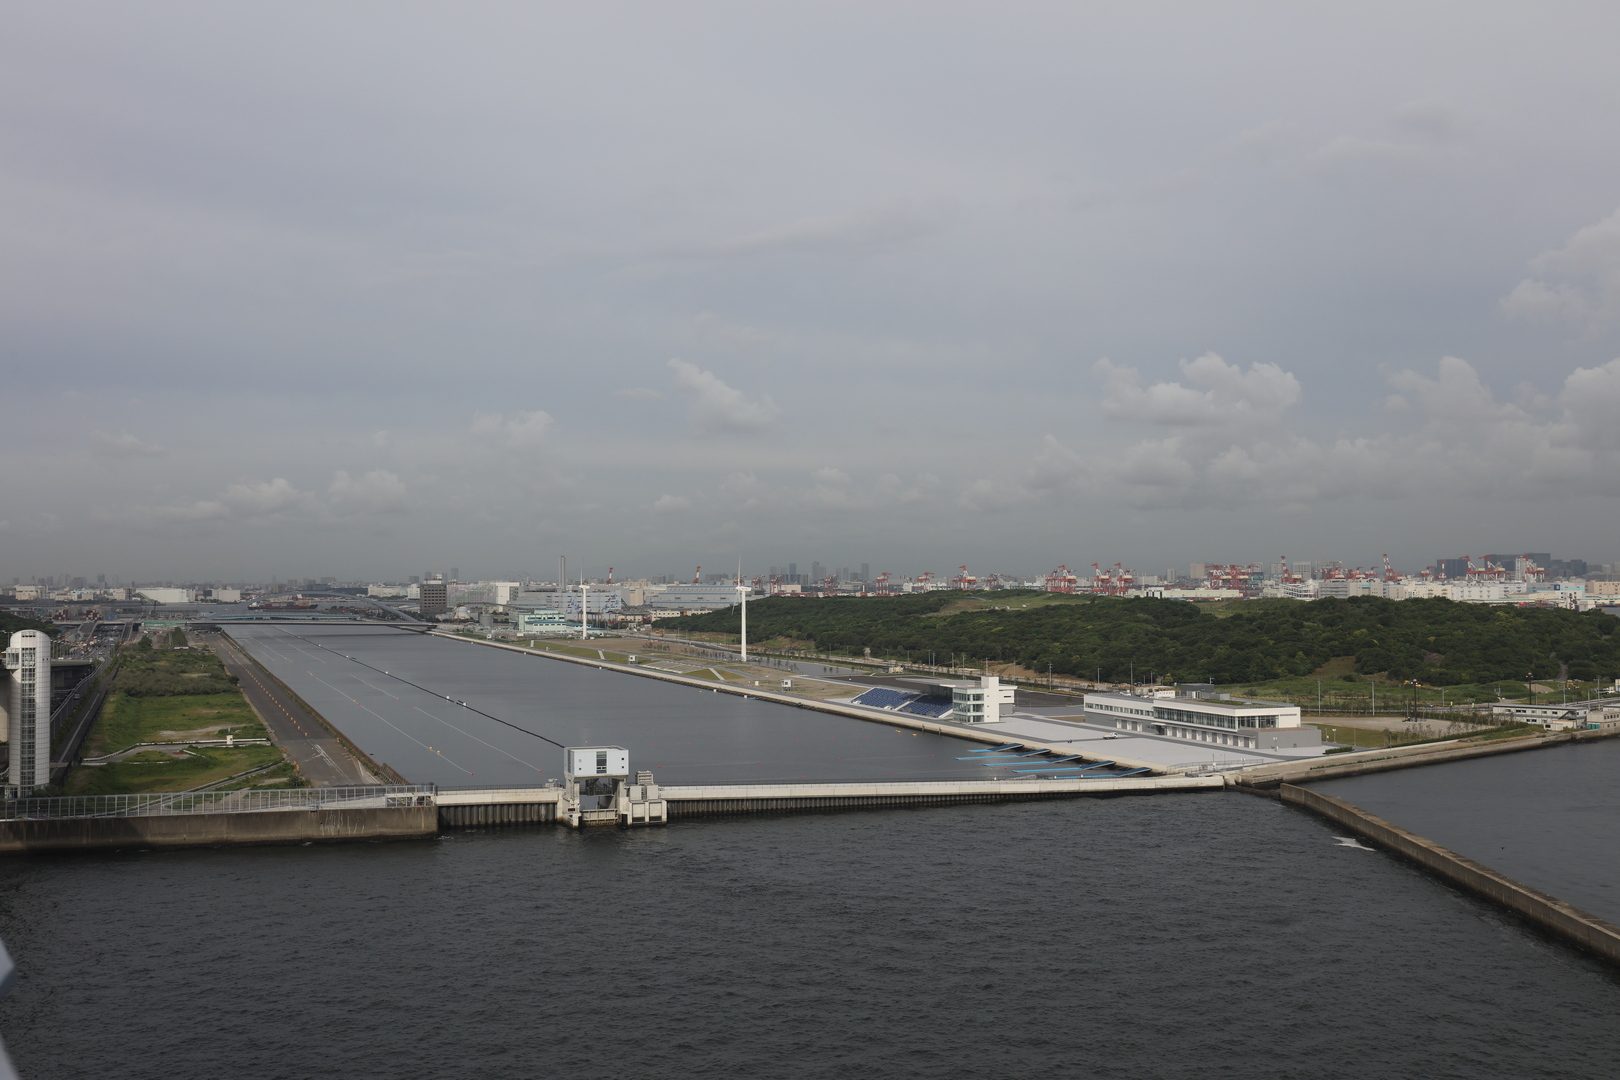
pixel 360 289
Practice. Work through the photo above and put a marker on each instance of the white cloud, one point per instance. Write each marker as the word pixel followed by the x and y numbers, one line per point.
pixel 376 492
pixel 1456 439
pixel 258 500
pixel 122 445
pixel 518 431
pixel 1577 285
pixel 671 504
pixel 1213 393
pixel 717 405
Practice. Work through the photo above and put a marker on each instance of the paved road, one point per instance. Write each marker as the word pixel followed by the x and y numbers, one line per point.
pixel 320 758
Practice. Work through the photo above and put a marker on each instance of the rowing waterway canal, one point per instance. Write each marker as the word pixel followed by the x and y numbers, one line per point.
pixel 397 695
pixel 1177 936
pixel 1549 819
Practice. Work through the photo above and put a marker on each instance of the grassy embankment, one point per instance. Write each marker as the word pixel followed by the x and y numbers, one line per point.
pixel 175 697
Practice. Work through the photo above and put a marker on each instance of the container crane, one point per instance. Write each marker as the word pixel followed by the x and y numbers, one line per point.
pixel 963 579
pixel 1061 580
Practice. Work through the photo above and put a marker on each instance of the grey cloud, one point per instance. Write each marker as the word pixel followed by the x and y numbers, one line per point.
pixel 849 234
pixel 1212 393
pixel 375 492
pixel 671 504
pixel 518 431
pixel 716 405
pixel 122 444
pixel 1577 285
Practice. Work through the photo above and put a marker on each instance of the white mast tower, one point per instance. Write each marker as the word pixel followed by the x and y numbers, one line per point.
pixel 742 591
pixel 584 609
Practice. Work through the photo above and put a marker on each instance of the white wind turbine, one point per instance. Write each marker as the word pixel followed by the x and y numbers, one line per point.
pixel 742 592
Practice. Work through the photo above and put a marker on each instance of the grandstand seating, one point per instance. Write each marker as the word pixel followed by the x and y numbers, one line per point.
pixel 883 698
pixel 934 707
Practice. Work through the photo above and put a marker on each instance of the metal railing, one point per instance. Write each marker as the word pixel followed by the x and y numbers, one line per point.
pixel 247 801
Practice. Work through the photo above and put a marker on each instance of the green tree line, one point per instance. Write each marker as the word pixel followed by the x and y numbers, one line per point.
pixel 1435 641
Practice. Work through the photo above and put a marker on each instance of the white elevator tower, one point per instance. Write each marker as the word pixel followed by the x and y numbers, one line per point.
pixel 28 707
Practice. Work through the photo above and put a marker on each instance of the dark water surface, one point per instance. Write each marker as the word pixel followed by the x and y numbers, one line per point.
pixel 685 735
pixel 1174 936
pixel 1549 819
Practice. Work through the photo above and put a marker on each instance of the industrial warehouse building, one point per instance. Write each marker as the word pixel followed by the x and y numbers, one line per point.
pixel 1560 716
pixel 1199 716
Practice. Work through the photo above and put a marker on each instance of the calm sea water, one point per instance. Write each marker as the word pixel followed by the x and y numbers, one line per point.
pixel 1548 818
pixel 1176 936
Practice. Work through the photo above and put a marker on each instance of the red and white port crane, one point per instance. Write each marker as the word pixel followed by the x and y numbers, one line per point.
pixel 963 579
pixel 1061 580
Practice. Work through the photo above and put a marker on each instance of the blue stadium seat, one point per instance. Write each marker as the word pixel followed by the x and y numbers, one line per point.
pixel 883 698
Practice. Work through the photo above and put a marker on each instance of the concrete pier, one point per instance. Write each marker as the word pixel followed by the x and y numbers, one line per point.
pixel 1548 912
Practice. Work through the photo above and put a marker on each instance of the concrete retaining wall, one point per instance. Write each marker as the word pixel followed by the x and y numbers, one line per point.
pixel 1570 923
pixel 204 830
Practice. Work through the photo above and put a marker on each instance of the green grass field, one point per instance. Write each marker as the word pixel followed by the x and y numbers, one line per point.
pixel 156 771
pixel 127 720
pixel 148 704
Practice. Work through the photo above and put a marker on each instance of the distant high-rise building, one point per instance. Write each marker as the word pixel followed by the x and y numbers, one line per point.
pixel 28 709
pixel 866 571
pixel 455 573
pixel 434 599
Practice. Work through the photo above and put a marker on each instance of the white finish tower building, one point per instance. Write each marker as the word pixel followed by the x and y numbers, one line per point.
pixel 28 703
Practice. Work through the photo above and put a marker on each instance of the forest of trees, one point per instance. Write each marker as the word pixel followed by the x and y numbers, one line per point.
pixel 1436 641
pixel 10 624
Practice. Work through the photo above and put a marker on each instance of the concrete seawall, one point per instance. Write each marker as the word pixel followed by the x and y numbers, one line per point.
pixel 1342 766
pixel 1570 923
pixel 23 835
pixel 985 733
pixel 699 801
pixel 485 807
